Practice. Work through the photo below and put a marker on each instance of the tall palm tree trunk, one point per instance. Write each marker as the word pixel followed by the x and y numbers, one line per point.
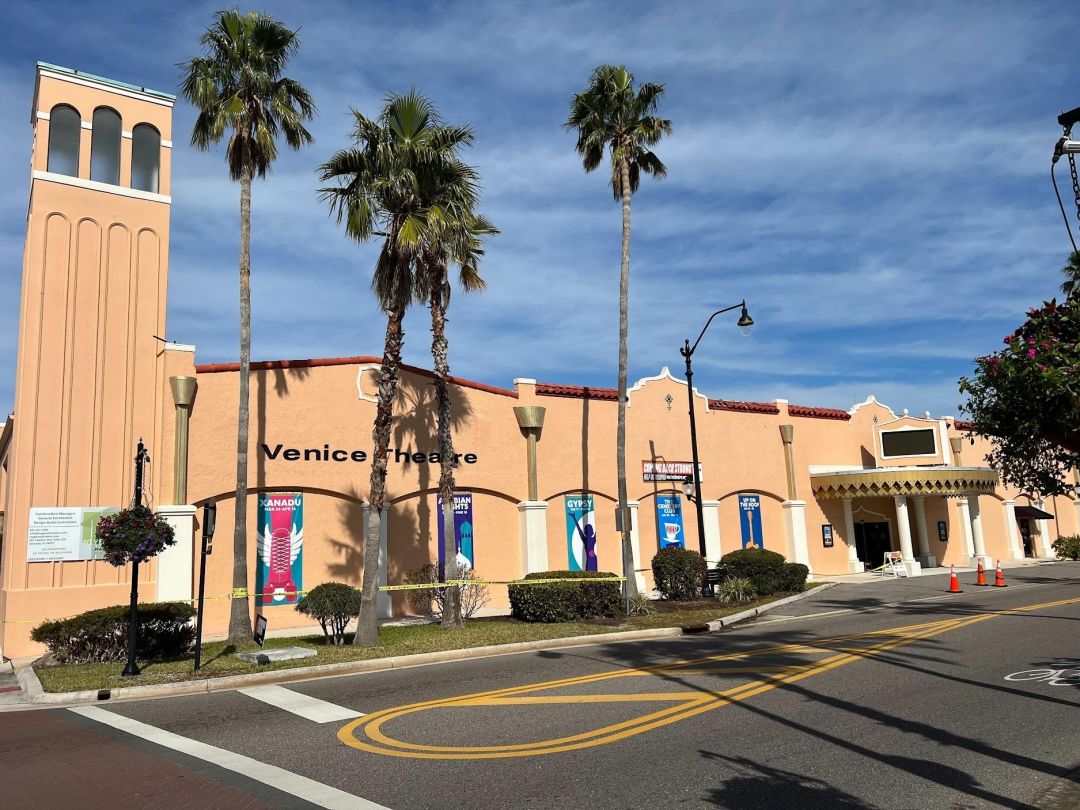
pixel 630 585
pixel 451 615
pixel 239 610
pixel 367 629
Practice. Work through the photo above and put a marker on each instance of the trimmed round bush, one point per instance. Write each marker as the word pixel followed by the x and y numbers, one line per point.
pixel 1067 547
pixel 554 602
pixel 332 605
pixel 761 567
pixel 793 577
pixel 679 573
pixel 100 636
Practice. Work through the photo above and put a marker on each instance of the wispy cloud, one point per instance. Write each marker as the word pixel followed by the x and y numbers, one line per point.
pixel 871 177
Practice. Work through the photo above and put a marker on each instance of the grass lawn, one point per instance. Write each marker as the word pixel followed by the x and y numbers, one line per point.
pixel 218 659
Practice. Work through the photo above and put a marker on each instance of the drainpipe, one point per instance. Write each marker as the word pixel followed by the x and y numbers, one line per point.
pixel 183 391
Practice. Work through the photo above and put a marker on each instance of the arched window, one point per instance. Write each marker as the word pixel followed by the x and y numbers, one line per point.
pixel 105 147
pixel 64 130
pixel 145 157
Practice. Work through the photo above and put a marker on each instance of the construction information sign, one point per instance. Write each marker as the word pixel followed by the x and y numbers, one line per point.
pixel 64 533
pixel 668 471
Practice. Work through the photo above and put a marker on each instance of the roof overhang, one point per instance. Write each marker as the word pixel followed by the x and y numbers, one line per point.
pixel 907 481
pixel 1033 512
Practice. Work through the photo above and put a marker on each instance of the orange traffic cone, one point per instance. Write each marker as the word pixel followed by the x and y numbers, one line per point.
pixel 982 575
pixel 999 580
pixel 954 583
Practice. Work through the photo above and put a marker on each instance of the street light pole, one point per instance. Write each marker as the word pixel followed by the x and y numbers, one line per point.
pixel 132 668
pixel 687 351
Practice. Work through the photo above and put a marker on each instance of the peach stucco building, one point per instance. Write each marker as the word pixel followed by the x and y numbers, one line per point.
pixel 833 489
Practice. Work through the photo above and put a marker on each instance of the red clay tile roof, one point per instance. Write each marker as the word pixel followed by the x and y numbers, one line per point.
pixel 960 424
pixel 818 413
pixel 361 360
pixel 743 407
pixel 577 391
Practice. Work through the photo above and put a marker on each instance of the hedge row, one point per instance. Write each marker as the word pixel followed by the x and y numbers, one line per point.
pixel 99 636
pixel 565 601
pixel 767 570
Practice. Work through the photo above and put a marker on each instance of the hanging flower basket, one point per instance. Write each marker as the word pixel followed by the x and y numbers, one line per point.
pixel 134 534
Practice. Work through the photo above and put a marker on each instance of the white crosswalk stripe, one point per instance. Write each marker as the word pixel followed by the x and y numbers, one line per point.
pixel 318 711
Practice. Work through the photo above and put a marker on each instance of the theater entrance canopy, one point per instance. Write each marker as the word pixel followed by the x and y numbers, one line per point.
pixel 902 484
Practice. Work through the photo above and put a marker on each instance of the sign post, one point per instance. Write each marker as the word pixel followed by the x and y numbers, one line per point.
pixel 208 522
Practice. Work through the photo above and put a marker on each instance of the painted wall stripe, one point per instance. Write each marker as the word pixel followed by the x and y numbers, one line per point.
pixel 287 782
pixel 318 711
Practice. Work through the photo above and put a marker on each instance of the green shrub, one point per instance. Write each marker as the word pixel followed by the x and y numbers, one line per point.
pixel 736 591
pixel 554 602
pixel 640 605
pixel 99 636
pixel 793 577
pixel 678 573
pixel 1067 547
pixel 429 601
pixel 333 605
pixel 761 567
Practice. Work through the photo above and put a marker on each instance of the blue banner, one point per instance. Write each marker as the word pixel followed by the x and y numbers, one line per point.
pixel 581 533
pixel 669 522
pixel 463 530
pixel 750 520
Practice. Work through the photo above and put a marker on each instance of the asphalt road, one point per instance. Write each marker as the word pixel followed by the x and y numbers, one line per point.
pixel 892 695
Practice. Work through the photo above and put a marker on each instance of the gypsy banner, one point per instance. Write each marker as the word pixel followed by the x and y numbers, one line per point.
pixel 279 576
pixel 581 533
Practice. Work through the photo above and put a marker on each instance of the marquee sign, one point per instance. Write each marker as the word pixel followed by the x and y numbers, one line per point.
pixel 668 471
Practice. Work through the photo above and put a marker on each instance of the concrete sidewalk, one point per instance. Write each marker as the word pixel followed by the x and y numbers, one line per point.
pixel 874 576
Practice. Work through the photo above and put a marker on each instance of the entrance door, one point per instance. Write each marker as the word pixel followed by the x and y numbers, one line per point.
pixel 872 540
pixel 1025 535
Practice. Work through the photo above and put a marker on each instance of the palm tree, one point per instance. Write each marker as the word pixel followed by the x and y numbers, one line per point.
pixel 238 88
pixel 1071 286
pixel 451 239
pixel 388 185
pixel 611 114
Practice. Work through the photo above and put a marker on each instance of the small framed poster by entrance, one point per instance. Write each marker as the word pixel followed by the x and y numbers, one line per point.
pixel 943 531
pixel 826 535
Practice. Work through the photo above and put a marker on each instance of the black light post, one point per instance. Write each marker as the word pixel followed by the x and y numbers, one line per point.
pixel 687 351
pixel 208 522
pixel 132 668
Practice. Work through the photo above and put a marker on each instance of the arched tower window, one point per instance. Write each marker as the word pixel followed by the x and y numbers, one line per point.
pixel 105 147
pixel 145 157
pixel 64 130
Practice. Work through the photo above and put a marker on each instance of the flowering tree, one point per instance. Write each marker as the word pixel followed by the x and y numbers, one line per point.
pixel 1024 399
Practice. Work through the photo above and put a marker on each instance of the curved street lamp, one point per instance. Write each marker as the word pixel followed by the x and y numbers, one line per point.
pixel 692 488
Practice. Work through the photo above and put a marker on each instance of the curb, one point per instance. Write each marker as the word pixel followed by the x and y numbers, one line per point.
pixel 35 693
pixel 753 613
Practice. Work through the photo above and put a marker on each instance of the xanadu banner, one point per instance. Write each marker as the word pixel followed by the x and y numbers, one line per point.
pixel 581 532
pixel 669 524
pixel 279 576
pixel 463 530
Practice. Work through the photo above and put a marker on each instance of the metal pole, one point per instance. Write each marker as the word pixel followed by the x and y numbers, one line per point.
pixel 687 352
pixel 132 668
pixel 208 522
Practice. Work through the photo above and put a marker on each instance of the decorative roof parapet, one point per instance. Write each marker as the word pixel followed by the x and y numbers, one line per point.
pixel 907 481
pixel 743 407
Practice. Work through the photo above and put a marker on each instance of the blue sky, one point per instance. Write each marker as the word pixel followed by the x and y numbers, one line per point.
pixel 871 177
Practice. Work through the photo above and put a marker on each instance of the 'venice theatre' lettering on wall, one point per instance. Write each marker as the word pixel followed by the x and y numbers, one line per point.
pixel 325 453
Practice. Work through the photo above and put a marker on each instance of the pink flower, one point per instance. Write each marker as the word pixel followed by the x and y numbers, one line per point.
pixel 1046 345
pixel 1008 339
pixel 1031 341
pixel 1031 353
pixel 1042 367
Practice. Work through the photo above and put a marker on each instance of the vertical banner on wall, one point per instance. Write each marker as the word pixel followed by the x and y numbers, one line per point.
pixel 463 530
pixel 581 532
pixel 279 576
pixel 750 520
pixel 669 523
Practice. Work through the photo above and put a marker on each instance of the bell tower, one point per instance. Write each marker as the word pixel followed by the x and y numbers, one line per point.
pixel 90 378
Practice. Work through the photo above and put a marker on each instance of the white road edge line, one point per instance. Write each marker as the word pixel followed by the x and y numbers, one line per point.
pixel 278 778
pixel 318 711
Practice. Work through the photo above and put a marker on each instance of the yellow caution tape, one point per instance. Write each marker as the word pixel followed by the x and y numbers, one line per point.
pixel 241 593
